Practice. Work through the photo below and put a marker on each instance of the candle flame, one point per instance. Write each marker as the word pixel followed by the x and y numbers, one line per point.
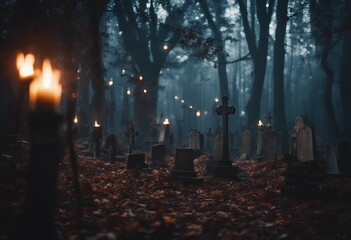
pixel 46 86
pixel 260 124
pixel 166 122
pixel 96 124
pixel 75 120
pixel 24 64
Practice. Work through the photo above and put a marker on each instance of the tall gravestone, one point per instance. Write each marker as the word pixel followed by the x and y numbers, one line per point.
pixel 224 167
pixel 302 177
pixel 305 144
pixel 196 141
pixel 245 143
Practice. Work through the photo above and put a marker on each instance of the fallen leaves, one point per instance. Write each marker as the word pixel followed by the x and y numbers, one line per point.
pixel 127 204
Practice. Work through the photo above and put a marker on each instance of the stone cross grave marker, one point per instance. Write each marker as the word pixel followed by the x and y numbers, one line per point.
pixel 184 165
pixel 131 133
pixel 245 143
pixel 224 168
pixel 304 141
pixel 224 110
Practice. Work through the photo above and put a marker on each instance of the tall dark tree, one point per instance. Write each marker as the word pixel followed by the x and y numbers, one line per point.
pixel 258 49
pixel 95 12
pixel 345 71
pixel 219 43
pixel 279 116
pixel 325 39
pixel 144 39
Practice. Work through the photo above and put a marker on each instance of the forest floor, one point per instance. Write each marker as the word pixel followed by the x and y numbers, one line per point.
pixel 118 203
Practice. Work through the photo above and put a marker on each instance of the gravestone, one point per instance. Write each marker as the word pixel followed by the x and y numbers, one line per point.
pixel 136 161
pixel 270 146
pixel 218 146
pixel 158 152
pixel 305 149
pixel 196 141
pixel 184 165
pixel 224 168
pixel 331 161
pixel 302 177
pixel 245 143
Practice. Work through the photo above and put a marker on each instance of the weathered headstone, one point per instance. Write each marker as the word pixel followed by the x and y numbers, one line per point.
pixel 136 161
pixel 194 139
pixel 331 161
pixel 184 165
pixel 218 147
pixel 158 152
pixel 245 143
pixel 224 167
pixel 305 148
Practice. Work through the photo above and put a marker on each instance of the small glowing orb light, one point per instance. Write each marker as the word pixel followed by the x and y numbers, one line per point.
pixel 166 122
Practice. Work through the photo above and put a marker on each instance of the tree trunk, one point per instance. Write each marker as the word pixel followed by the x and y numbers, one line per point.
pixel 221 55
pixel 258 53
pixel 326 38
pixel 149 56
pixel 278 73
pixel 333 130
pixel 344 79
pixel 97 75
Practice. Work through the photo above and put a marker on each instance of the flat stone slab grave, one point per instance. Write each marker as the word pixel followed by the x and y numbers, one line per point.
pixel 184 166
pixel 136 161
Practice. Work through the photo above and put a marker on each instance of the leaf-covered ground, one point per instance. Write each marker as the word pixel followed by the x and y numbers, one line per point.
pixel 129 204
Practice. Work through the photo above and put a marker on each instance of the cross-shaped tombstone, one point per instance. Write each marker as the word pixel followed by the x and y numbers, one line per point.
pixel 225 111
pixel 224 167
pixel 131 133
